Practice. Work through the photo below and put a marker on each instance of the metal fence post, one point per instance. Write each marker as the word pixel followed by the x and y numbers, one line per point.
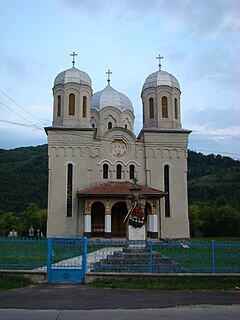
pixel 150 257
pixel 84 258
pixel 213 256
pixel 49 258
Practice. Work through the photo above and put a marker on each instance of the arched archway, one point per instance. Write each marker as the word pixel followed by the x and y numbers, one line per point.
pixel 119 211
pixel 98 219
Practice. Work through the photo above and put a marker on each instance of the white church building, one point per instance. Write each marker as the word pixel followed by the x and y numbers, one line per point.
pixel 94 156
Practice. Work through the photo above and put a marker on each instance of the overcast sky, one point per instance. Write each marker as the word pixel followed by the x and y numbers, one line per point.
pixel 199 39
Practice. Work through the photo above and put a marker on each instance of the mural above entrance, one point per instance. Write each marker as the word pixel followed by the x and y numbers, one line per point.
pixel 118 148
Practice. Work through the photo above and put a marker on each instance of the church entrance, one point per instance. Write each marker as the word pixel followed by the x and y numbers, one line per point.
pixel 119 211
pixel 98 219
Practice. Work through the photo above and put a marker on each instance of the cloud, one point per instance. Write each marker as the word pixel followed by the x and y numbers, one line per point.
pixel 41 108
pixel 218 134
pixel 21 136
pixel 198 17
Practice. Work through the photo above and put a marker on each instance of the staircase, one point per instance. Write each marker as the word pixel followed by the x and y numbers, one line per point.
pixel 137 260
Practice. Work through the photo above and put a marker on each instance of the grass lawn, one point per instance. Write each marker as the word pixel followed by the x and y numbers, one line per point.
pixel 188 283
pixel 13 282
pixel 30 254
pixel 196 255
pixel 21 254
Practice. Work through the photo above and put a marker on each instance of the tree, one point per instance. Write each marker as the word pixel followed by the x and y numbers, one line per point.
pixel 194 218
pixel 35 217
pixel 9 222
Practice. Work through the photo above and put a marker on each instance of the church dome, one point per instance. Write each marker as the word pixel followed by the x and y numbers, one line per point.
pixel 110 97
pixel 73 75
pixel 160 78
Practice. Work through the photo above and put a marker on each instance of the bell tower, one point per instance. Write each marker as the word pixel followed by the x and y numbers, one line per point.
pixel 161 100
pixel 72 93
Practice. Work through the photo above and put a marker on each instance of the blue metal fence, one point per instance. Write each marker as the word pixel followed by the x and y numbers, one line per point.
pixel 90 255
pixel 66 259
pixel 164 256
pixel 25 254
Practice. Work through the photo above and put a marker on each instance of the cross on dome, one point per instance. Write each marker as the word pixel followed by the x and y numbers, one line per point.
pixel 159 61
pixel 73 55
pixel 108 73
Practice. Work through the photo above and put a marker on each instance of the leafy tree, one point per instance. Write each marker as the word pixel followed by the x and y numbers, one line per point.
pixel 9 222
pixel 32 216
pixel 195 220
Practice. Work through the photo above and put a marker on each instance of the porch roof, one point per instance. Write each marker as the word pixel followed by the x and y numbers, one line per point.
pixel 118 189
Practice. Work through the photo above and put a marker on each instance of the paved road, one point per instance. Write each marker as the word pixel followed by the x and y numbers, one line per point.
pixel 70 302
pixel 83 297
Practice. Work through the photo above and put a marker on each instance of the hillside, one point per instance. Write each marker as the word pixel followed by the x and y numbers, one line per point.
pixel 213 179
pixel 23 176
pixel 24 173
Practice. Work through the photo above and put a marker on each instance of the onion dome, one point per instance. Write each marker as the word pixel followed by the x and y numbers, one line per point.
pixel 110 97
pixel 73 75
pixel 160 78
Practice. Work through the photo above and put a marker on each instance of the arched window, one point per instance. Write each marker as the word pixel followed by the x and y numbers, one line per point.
pixel 105 171
pixel 176 108
pixel 69 189
pixel 109 125
pixel 119 171
pixel 151 108
pixel 131 172
pixel 167 190
pixel 93 125
pixel 164 107
pixel 71 104
pixel 84 110
pixel 58 106
pixel 125 126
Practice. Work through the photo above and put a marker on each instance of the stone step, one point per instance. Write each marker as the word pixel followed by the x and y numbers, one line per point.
pixel 137 260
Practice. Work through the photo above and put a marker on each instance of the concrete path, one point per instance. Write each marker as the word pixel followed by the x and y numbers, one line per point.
pixel 92 258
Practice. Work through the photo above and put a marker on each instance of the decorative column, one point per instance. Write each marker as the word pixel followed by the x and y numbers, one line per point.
pixel 87 220
pixel 154 233
pixel 108 219
pixel 108 227
pixel 154 220
pixel 149 225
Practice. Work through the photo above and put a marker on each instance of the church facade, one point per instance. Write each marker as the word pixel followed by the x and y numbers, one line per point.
pixel 94 156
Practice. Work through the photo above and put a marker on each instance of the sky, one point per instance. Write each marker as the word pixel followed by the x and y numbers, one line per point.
pixel 199 40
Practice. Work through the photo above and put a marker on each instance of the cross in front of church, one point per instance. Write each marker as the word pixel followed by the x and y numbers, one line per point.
pixel 108 73
pixel 73 55
pixel 159 61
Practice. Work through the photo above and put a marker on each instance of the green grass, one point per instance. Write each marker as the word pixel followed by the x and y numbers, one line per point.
pixel 188 283
pixel 20 254
pixel 198 254
pixel 8 282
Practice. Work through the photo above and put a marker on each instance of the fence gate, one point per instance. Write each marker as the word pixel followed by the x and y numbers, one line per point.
pixel 66 259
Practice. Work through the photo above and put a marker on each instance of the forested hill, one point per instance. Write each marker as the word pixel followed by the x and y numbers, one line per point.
pixel 24 175
pixel 24 178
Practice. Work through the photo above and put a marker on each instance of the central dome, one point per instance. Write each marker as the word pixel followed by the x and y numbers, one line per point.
pixel 160 78
pixel 73 75
pixel 110 97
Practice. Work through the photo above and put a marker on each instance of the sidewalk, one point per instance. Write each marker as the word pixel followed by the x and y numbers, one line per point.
pixel 178 313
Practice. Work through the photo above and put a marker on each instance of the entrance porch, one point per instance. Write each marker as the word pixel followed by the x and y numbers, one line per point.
pixel 106 207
